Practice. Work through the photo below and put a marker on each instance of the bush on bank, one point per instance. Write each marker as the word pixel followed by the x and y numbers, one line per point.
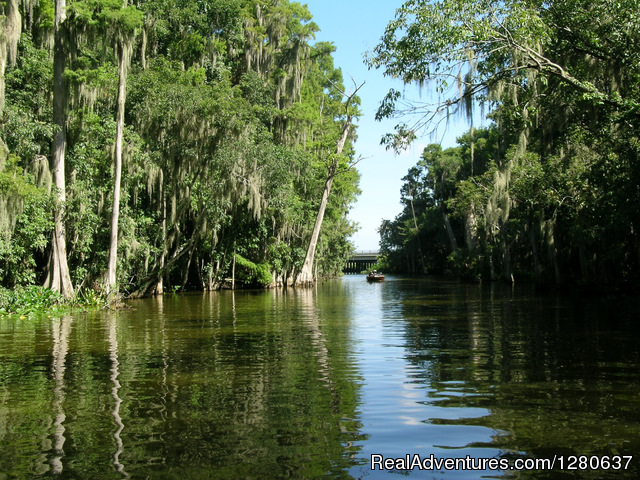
pixel 32 299
pixel 25 300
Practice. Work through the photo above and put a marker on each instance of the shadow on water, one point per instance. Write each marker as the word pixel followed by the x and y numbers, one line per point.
pixel 310 383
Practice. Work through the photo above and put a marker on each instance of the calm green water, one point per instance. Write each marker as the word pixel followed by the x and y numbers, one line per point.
pixel 310 384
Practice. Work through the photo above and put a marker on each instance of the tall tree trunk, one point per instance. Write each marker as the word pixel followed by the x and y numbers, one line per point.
pixel 306 276
pixel 59 278
pixel 452 237
pixel 185 272
pixel 113 245
pixel 159 289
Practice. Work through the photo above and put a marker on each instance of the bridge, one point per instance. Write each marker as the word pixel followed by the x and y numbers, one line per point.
pixel 361 261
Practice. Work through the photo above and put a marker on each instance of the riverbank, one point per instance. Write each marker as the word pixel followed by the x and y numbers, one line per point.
pixel 36 299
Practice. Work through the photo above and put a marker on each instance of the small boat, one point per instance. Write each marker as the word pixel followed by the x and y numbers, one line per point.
pixel 375 277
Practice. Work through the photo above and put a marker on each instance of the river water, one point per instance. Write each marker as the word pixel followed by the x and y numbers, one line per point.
pixel 328 382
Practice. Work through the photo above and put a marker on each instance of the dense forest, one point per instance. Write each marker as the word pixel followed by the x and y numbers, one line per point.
pixel 548 189
pixel 156 145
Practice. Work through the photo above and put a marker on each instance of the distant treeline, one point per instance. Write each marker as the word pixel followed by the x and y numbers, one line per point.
pixel 550 189
pixel 164 144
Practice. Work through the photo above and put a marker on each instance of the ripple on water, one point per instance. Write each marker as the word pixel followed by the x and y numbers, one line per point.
pixel 309 383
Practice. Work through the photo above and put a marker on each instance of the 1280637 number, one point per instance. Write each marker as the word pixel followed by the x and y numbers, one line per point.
pixel 594 462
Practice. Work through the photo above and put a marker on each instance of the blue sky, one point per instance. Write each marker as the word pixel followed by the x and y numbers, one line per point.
pixel 355 27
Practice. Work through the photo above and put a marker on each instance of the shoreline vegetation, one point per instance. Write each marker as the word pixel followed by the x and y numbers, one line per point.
pixel 165 145
pixel 27 301
pixel 546 190
pixel 168 146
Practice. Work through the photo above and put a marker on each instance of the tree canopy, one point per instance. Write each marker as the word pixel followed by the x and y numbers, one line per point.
pixel 548 189
pixel 226 115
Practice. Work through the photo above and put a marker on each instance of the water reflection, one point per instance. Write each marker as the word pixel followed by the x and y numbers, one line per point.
pixel 225 385
pixel 493 372
pixel 113 356
pixel 60 329
pixel 310 383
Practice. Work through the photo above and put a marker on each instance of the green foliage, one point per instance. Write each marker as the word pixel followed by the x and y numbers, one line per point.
pixel 106 16
pixel 46 14
pixel 91 298
pixel 26 224
pixel 546 192
pixel 35 299
pixel 230 117
pixel 28 300
pixel 253 274
pixel 27 127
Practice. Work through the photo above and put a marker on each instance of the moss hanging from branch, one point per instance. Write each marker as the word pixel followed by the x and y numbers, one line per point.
pixel 10 30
